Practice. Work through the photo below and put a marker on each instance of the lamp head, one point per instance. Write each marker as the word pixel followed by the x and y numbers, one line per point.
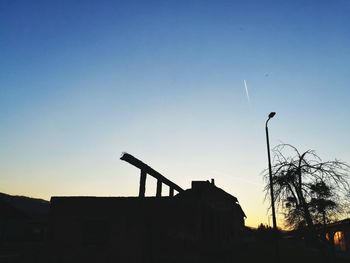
pixel 272 114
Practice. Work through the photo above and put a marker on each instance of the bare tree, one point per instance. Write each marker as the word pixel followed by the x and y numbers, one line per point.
pixel 307 189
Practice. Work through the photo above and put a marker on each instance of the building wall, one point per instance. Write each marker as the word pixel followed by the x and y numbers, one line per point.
pixel 138 230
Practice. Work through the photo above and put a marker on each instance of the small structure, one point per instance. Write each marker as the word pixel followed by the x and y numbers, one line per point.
pixel 186 227
pixel 338 233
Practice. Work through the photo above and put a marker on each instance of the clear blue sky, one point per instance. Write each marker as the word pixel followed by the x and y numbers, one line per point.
pixel 83 81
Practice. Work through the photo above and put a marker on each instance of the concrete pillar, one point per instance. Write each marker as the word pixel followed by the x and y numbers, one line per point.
pixel 142 188
pixel 159 188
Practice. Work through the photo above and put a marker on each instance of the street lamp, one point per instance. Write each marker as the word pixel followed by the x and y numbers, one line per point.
pixel 270 172
pixel 277 259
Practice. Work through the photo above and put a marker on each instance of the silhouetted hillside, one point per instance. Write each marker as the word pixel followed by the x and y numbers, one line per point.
pixel 31 207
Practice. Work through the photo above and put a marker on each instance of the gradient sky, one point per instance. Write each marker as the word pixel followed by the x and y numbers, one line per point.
pixel 83 81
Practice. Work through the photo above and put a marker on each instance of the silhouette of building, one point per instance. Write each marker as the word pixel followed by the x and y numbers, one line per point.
pixel 198 222
pixel 150 229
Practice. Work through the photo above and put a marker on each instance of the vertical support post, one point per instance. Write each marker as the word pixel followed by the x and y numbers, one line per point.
pixel 171 191
pixel 159 188
pixel 274 223
pixel 142 188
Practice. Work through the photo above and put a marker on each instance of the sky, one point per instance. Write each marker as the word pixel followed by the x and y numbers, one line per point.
pixel 83 81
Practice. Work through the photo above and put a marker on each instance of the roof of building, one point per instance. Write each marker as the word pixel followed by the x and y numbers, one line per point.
pixel 200 191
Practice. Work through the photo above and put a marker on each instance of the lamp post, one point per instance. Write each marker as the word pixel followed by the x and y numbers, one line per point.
pixel 277 259
pixel 270 172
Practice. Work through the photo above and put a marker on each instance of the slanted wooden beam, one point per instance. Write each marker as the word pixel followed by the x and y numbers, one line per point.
pixel 148 170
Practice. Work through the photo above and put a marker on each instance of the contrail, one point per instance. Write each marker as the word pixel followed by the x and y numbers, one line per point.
pixel 246 90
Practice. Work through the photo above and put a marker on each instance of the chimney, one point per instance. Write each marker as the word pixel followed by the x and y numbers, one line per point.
pixel 212 181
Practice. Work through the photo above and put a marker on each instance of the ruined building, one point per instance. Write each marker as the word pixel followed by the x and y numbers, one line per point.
pixel 182 227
